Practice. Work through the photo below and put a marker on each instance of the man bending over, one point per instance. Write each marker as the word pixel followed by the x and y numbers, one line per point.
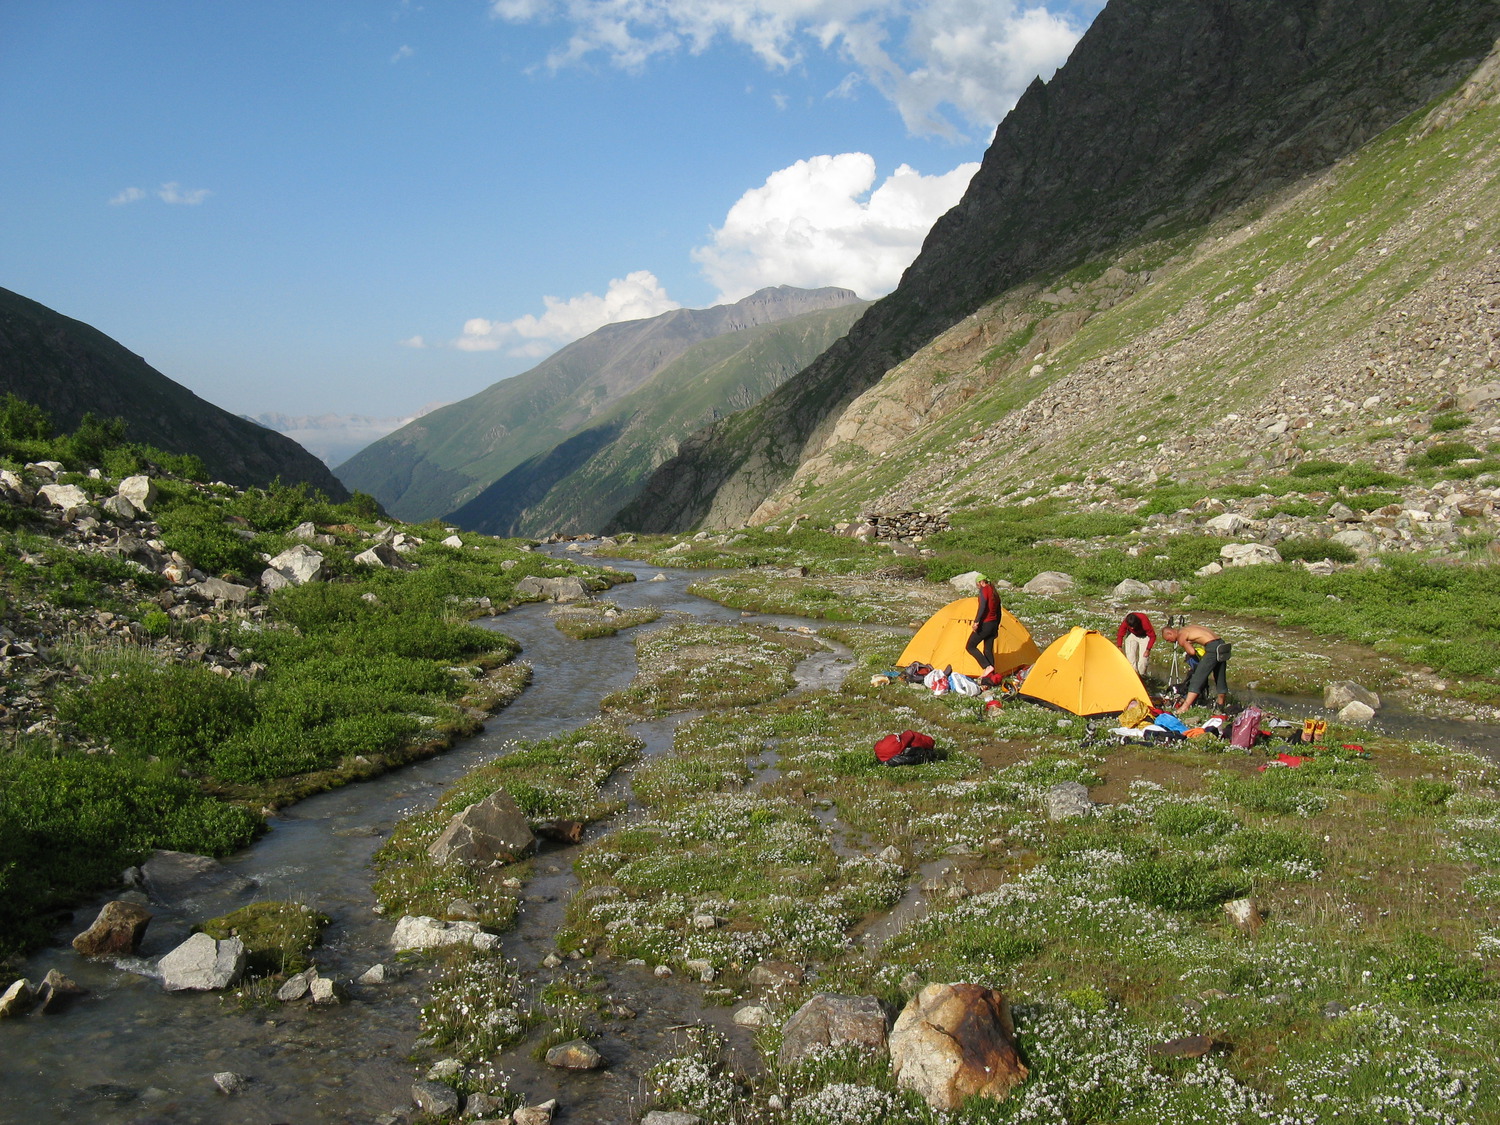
pixel 1211 653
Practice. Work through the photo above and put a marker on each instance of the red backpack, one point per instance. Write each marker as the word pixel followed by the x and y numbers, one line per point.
pixel 906 748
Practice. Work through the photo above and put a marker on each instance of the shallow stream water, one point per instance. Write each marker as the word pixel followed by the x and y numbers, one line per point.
pixel 133 1054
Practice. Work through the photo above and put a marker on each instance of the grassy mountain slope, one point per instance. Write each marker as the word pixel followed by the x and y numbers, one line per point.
pixel 1169 114
pixel 69 369
pixel 443 459
pixel 1334 321
pixel 581 482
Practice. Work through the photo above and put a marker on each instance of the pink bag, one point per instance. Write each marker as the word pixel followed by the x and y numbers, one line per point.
pixel 1246 728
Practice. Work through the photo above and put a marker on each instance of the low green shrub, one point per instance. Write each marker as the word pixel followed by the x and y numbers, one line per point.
pixel 1423 970
pixel 1185 883
pixel 1315 550
pixel 70 824
pixel 1449 420
pixel 1442 453
pixel 277 935
pixel 1192 820
pixel 173 711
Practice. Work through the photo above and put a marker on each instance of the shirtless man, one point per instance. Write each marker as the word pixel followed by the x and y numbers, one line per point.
pixel 1211 663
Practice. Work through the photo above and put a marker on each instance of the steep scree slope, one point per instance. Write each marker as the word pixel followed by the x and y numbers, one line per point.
pixel 1168 114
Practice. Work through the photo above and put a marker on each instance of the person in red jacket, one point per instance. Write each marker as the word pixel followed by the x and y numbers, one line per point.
pixel 981 644
pixel 1135 638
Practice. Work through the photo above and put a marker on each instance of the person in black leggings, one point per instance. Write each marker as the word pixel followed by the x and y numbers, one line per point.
pixel 1192 638
pixel 981 644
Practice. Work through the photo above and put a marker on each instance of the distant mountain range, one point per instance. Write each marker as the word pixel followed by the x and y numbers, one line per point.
pixel 69 369
pixel 334 438
pixel 574 436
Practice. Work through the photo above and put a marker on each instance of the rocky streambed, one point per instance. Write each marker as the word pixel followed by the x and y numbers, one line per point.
pixel 129 1051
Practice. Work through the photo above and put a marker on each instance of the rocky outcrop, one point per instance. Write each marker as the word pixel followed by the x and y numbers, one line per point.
pixel 1166 112
pixel 417 931
pixel 956 1041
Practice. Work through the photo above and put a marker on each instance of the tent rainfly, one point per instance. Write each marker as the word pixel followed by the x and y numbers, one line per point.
pixel 941 641
pixel 1083 672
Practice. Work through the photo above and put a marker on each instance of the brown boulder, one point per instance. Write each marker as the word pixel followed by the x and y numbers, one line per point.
pixel 490 831
pixel 954 1041
pixel 118 929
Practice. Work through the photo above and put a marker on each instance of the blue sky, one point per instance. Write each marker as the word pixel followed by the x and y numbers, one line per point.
pixel 364 207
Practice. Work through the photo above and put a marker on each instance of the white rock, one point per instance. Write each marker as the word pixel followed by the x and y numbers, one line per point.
pixel 416 931
pixel 1049 582
pixel 229 1082
pixel 203 964
pixel 754 1015
pixel 139 490
pixel 1230 523
pixel 1249 554
pixel 1356 712
pixel 968 582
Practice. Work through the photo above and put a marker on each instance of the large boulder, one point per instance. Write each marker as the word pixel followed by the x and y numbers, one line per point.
pixel 68 499
pixel 118 508
pixel 1354 712
pixel 1249 554
pixel 139 490
pixel 567 589
pixel 829 1020
pixel 966 583
pixel 1360 542
pixel 955 1041
pixel 203 964
pixel 117 930
pixel 1050 582
pixel 1339 693
pixel 1130 588
pixel 300 563
pixel 490 831
pixel 417 931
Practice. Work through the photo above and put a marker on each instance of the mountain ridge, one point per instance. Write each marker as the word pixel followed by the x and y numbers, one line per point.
pixel 1167 115
pixel 442 460
pixel 70 368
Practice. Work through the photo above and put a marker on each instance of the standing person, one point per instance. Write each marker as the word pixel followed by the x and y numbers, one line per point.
pixel 1135 639
pixel 981 644
pixel 1212 653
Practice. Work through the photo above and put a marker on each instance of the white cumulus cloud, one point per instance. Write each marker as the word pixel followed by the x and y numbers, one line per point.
pixel 173 193
pixel 818 223
pixel 930 58
pixel 635 296
pixel 129 195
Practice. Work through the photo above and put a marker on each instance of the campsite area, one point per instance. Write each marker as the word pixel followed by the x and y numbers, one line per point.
pixel 770 859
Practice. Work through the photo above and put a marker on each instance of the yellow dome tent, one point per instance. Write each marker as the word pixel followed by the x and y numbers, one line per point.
pixel 941 641
pixel 1084 673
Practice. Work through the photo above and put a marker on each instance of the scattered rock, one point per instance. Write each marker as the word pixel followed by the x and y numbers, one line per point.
pixel 535 1114
pixel 562 831
pixel 377 974
pixel 17 999
pixel 1050 582
pixel 299 564
pixel 56 992
pixel 575 1055
pixel 671 1117
pixel 325 990
pixel 417 931
pixel 754 1015
pixel 955 1041
pixel 436 1098
pixel 490 831
pixel 1341 692
pixel 967 583
pixel 775 976
pixel 174 877
pixel 139 490
pixel 118 929
pixel 1249 554
pixel 1356 712
pixel 296 986
pixel 203 964
pixel 229 1082
pixel 1188 1047
pixel 831 1020
pixel 1229 524
pixel 1129 589
pixel 568 589
pixel 1068 799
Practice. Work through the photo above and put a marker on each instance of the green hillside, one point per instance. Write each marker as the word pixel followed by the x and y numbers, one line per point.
pixel 580 483
pixel 443 459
